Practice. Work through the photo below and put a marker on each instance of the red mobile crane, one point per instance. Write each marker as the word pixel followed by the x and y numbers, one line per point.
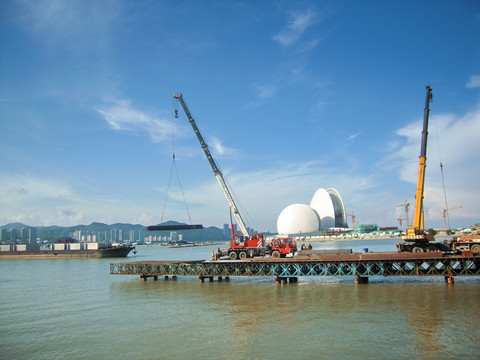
pixel 241 245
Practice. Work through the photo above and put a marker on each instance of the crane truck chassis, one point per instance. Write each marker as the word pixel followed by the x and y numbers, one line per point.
pixel 242 248
pixel 462 243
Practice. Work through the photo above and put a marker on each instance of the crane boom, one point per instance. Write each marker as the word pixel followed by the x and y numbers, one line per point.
pixel 417 231
pixel 218 174
pixel 418 219
pixel 417 239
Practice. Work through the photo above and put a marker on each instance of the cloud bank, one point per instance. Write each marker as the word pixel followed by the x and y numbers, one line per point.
pixel 297 25
pixel 121 115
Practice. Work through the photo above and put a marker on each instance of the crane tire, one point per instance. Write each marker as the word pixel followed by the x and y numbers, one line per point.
pixel 242 255
pixel 475 247
pixel 276 254
pixel 417 249
pixel 232 255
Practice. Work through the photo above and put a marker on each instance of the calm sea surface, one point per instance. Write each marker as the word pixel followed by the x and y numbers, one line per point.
pixel 74 309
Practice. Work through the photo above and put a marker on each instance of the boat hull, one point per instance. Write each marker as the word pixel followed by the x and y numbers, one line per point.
pixel 112 252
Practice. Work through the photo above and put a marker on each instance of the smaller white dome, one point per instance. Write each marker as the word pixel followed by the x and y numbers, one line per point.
pixel 323 205
pixel 298 218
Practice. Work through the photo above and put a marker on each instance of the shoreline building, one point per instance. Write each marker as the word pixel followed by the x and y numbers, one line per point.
pixel 325 212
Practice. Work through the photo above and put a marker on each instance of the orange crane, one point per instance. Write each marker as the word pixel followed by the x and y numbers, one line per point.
pixel 444 213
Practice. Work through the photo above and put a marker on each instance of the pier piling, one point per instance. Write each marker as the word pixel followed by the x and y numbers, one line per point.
pixel 361 280
pixel 449 280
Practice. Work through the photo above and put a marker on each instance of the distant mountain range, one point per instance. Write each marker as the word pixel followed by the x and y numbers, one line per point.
pixel 52 233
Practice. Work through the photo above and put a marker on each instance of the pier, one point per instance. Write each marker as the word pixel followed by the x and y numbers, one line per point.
pixel 361 266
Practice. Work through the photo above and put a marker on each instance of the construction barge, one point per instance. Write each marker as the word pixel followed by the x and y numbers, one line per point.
pixel 64 251
pixel 361 266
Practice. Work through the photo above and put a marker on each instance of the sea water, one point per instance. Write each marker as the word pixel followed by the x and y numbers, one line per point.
pixel 74 309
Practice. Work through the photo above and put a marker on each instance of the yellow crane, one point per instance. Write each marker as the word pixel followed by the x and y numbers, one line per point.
pixel 416 238
pixel 416 232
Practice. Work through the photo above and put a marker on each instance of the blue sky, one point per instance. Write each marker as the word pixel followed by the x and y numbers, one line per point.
pixel 290 97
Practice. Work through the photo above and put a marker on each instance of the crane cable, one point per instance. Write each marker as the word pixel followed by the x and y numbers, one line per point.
pixel 248 218
pixel 441 171
pixel 174 166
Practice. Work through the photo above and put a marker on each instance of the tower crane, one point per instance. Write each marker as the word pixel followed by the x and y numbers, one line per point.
pixel 406 205
pixel 444 213
pixel 353 220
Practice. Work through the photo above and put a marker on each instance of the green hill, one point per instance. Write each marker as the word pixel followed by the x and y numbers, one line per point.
pixel 53 233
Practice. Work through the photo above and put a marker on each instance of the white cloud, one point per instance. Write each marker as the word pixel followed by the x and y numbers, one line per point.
pixel 281 77
pixel 16 188
pixel 312 44
pixel 353 136
pixel 42 201
pixel 297 25
pixel 144 219
pixel 73 23
pixel 452 140
pixel 473 81
pixel 266 91
pixel 219 149
pixel 68 215
pixel 35 200
pixel 266 192
pixel 261 195
pixel 121 115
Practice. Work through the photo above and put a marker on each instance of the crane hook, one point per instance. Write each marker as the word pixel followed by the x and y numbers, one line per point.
pixel 176 113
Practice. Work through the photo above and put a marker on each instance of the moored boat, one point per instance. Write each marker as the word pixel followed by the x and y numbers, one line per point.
pixel 29 252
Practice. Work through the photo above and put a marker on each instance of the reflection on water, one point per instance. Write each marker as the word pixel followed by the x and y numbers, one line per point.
pixel 75 309
pixel 336 319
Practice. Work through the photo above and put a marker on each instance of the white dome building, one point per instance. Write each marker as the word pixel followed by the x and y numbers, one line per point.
pixel 325 211
pixel 298 218
pixel 340 218
pixel 323 205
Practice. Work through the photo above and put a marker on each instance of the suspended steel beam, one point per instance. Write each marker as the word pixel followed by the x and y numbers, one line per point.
pixel 173 227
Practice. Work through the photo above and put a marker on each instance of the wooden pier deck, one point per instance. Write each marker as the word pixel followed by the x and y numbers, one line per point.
pixel 361 266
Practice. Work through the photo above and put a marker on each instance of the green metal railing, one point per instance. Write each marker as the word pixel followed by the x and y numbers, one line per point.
pixel 448 267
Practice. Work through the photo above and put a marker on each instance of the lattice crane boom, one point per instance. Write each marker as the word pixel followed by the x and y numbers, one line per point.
pixel 218 174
